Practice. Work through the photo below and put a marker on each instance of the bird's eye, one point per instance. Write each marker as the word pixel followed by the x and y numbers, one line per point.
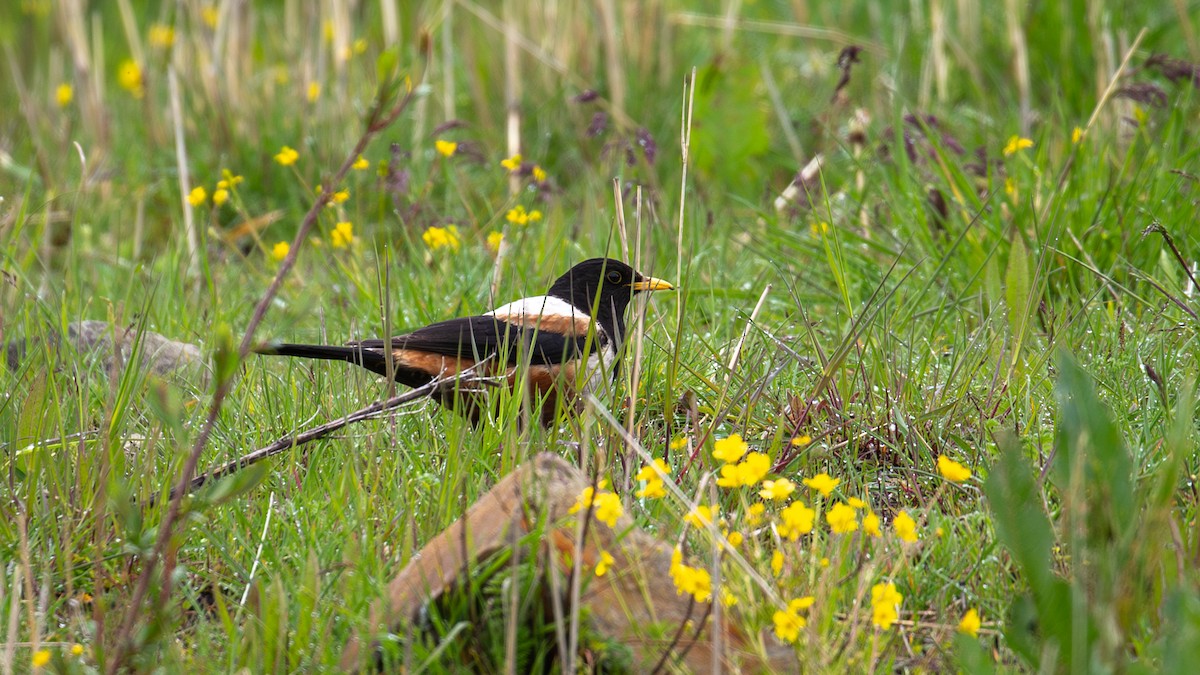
pixel 614 277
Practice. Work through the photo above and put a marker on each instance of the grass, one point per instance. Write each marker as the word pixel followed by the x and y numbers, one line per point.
pixel 921 300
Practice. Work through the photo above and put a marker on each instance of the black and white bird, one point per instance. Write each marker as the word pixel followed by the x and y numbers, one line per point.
pixel 566 342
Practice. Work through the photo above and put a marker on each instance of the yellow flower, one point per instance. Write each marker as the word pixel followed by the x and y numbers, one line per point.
pixel 493 240
pixel 788 625
pixel 512 163
pixel 776 562
pixel 748 472
pixel 209 15
pixel 702 515
pixel 735 539
pixel 608 508
pixel 606 561
pixel 445 148
pixel 730 450
pixel 778 489
pixel 692 581
pixel 220 195
pixel 819 229
pixel 1016 144
pixel 228 179
pixel 728 599
pixel 842 519
pixel 824 562
pixel 360 164
pixel 1010 187
pixel 885 605
pixel 797 519
pixel 63 95
pixel 539 174
pixel 162 36
pixel 197 196
pixel 76 649
pixel 679 443
pixel 939 533
pixel 441 237
pixel 754 514
pixel 359 46
pixel 339 197
pixel 970 623
pixel 856 503
pixel 280 250
pixel 41 657
pixel 654 489
pixel 803 439
pixel 870 524
pixel 535 216
pixel 648 472
pixel 287 156
pixel 314 91
pixel 906 527
pixel 129 76
pixel 822 483
pixel 1076 135
pixel 517 216
pixel 952 470
pixel 342 235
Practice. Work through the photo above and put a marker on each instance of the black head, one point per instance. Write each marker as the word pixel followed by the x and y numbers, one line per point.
pixel 610 281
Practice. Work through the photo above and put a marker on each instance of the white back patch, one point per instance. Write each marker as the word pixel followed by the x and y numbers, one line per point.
pixel 537 305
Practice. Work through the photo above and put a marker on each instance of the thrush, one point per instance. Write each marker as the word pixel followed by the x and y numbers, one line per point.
pixel 565 343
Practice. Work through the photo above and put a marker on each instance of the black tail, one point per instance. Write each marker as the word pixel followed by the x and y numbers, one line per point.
pixel 370 359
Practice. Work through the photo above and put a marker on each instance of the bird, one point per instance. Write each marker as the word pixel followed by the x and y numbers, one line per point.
pixel 566 341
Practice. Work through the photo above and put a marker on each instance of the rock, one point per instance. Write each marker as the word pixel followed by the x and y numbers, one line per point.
pixel 112 346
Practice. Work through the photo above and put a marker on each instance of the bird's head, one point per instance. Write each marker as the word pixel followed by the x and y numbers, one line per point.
pixel 610 281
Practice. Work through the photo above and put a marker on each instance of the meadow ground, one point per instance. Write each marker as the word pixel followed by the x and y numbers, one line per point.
pixel 995 263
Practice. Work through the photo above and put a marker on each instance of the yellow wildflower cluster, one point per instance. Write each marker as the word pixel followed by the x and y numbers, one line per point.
pixel 342 235
pixel 795 520
pixel 841 518
pixel 652 476
pixel 360 164
pixel 905 526
pixel 518 216
pixel 952 470
pixel 693 581
pixel 445 148
pixel 441 237
pixel 280 251
pixel 777 490
pixel 539 174
pixel 604 564
pixel 162 36
pixel 1016 144
pixel 789 622
pixel 129 76
pixel 823 483
pixel 197 196
pixel 970 623
pixel 885 605
pixel 64 94
pixel 748 472
pixel 287 156
pixel 702 516
pixel 512 164
pixel 731 449
pixel 493 241
pixel 606 506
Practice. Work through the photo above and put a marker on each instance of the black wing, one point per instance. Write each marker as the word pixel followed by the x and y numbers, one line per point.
pixel 480 337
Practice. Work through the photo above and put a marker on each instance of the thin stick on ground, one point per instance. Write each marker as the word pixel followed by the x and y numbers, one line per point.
pixel 306 436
